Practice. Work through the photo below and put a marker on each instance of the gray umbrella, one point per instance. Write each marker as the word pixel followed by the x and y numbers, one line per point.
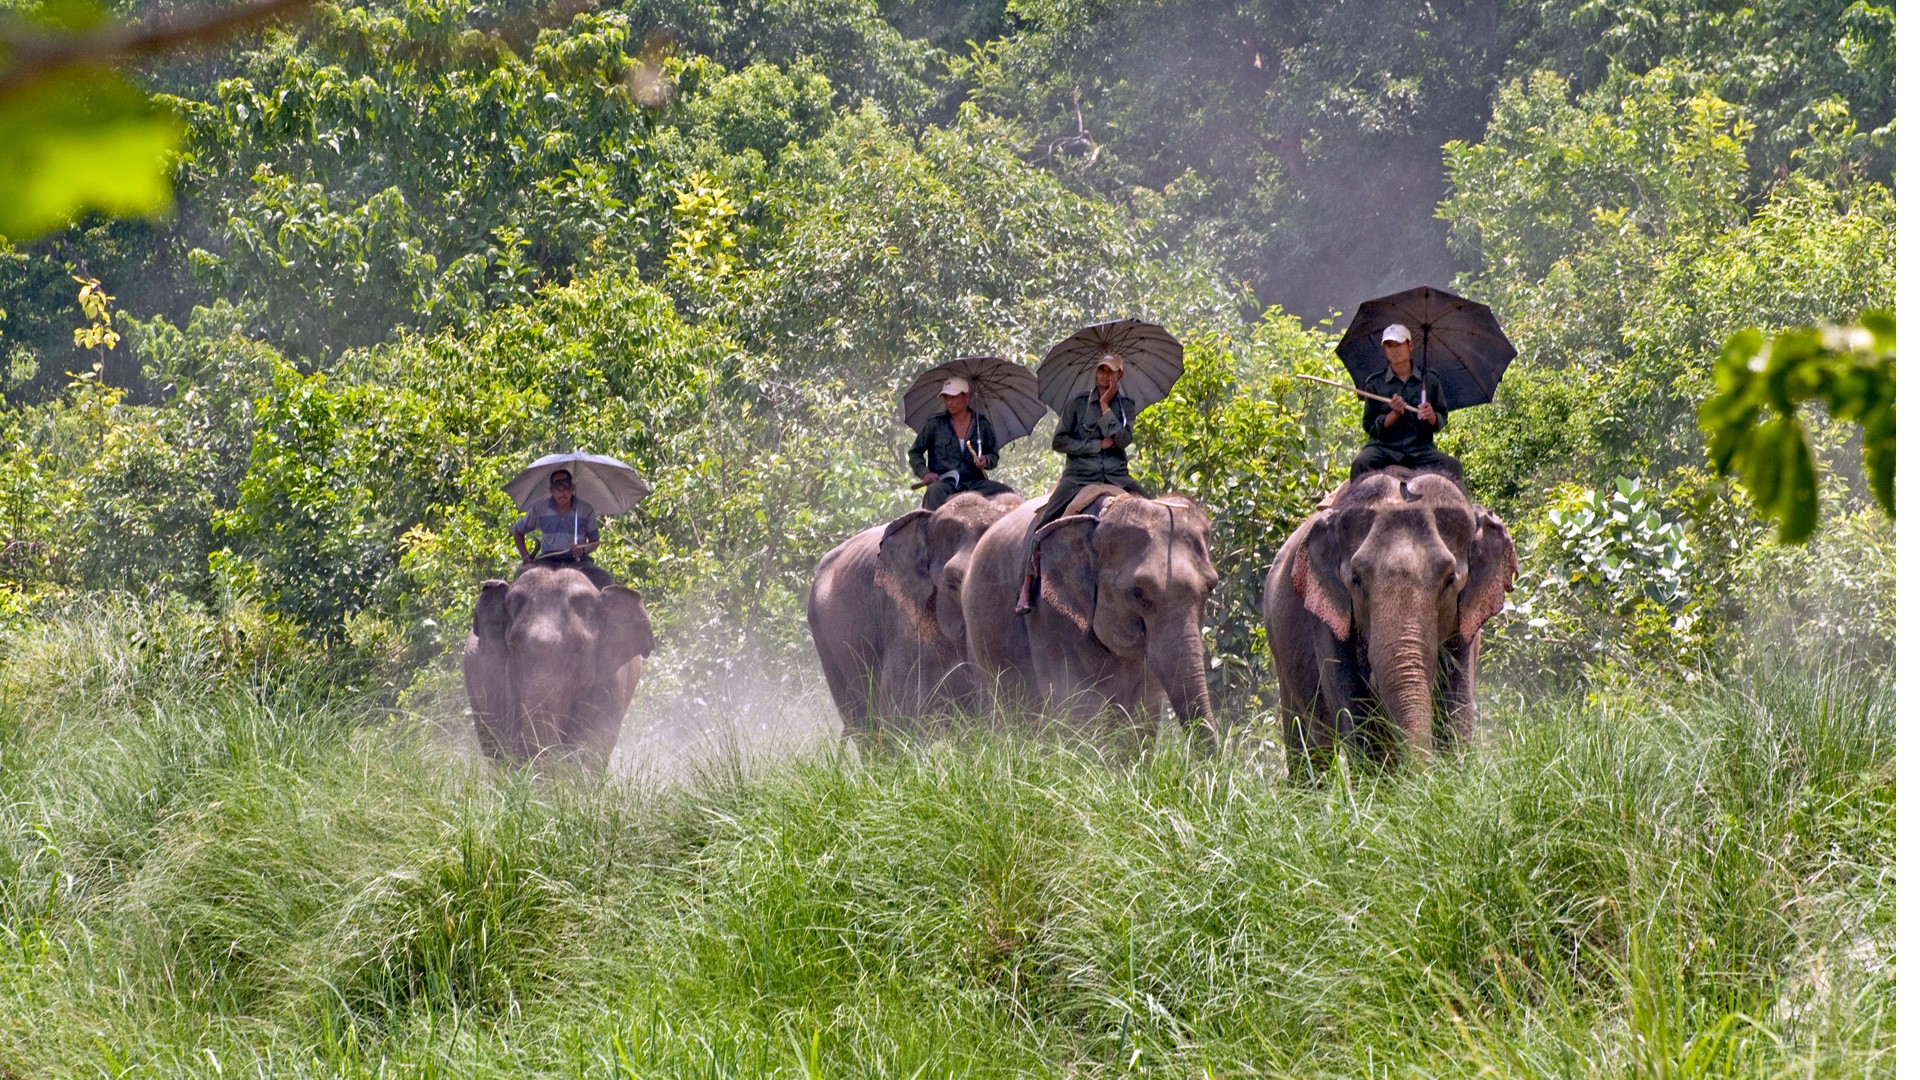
pixel 1006 392
pixel 1154 361
pixel 609 485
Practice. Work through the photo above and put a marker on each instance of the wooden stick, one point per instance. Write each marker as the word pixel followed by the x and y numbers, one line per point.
pixel 39 54
pixel 1344 386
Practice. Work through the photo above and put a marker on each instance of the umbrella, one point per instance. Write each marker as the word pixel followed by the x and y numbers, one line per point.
pixel 607 484
pixel 1455 339
pixel 1154 360
pixel 1005 391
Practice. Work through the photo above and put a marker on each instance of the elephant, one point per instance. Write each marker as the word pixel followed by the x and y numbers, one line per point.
pixel 885 612
pixel 552 663
pixel 1377 601
pixel 1118 618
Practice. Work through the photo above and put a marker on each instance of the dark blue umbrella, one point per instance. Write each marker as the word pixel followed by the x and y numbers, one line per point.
pixel 1456 340
pixel 1006 392
pixel 1154 360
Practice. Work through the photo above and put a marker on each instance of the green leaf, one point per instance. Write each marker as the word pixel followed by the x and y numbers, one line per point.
pixel 80 141
pixel 1759 463
pixel 1797 502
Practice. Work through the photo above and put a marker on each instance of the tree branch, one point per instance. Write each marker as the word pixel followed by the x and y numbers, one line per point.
pixel 33 56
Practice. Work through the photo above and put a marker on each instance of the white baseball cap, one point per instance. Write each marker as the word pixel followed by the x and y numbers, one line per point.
pixel 1113 361
pixel 954 387
pixel 1396 332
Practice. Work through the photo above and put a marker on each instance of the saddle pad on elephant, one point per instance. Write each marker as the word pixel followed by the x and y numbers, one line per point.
pixel 1094 496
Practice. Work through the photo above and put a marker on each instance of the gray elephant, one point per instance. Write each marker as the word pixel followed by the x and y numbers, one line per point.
pixel 552 664
pixel 1377 602
pixel 1118 618
pixel 885 612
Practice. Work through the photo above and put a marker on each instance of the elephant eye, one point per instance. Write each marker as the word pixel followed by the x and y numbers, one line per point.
pixel 1140 594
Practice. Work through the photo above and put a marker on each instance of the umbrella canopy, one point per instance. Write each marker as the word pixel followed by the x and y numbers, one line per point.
pixel 1006 392
pixel 607 484
pixel 1154 361
pixel 1456 340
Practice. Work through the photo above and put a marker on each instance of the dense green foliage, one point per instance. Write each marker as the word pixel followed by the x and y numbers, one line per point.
pixel 215 864
pixel 418 244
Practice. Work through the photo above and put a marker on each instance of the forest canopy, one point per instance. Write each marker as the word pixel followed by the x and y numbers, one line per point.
pixel 414 245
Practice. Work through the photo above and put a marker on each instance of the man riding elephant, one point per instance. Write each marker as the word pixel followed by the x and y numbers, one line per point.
pixel 569 531
pixel 955 449
pixel 1094 434
pixel 1401 428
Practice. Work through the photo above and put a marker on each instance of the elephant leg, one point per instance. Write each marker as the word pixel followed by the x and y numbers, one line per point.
pixel 1342 692
pixel 1459 669
pixel 850 699
pixel 601 734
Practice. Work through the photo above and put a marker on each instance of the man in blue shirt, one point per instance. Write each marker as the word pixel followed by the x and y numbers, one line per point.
pixel 569 531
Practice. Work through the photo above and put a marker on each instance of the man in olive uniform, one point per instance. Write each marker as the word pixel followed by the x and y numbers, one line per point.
pixel 1401 429
pixel 955 449
pixel 1094 434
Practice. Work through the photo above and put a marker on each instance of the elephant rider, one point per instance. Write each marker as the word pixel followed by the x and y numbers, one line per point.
pixel 1401 432
pixel 1093 433
pixel 569 531
pixel 955 449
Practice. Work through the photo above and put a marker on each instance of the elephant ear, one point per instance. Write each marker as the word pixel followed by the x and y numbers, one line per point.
pixel 625 631
pixel 484 665
pixel 1069 576
pixel 1490 569
pixel 1318 567
pixel 905 562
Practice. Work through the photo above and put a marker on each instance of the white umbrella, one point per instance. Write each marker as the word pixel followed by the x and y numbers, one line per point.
pixel 1006 392
pixel 607 484
pixel 1154 361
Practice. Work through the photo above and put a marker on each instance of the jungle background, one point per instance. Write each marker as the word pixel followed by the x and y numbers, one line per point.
pixel 251 451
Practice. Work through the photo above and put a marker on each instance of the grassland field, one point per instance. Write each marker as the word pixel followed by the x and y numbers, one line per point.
pixel 218 863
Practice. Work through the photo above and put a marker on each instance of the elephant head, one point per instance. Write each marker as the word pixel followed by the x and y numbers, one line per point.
pixel 551 663
pixel 1405 570
pixel 924 556
pixel 1124 592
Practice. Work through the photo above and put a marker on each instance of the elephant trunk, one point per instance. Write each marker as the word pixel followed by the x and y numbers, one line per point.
pixel 1180 664
pixel 1403 665
pixel 546 689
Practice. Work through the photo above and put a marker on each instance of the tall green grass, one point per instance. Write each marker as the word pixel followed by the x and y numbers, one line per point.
pixel 215 863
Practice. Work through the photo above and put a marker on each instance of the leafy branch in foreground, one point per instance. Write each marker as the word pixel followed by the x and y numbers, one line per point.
pixel 76 136
pixel 1849 368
